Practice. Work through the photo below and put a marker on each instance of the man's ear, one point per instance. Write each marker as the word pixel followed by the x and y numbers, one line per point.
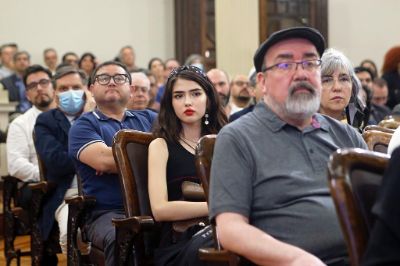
pixel 262 82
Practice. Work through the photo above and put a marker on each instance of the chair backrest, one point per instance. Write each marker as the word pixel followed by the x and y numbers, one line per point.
pixel 204 154
pixel 389 123
pixel 377 140
pixel 130 149
pixel 355 176
pixel 379 128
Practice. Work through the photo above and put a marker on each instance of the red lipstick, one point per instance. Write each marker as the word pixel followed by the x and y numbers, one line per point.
pixel 189 112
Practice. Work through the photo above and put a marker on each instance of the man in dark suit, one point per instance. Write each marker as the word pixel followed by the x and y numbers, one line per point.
pixel 14 84
pixel 51 130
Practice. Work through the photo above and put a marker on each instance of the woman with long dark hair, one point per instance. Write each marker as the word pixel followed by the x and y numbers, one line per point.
pixel 189 109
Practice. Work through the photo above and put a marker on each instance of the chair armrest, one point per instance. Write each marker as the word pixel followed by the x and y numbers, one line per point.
pixel 215 255
pixel 82 201
pixel 192 191
pixel 42 186
pixel 182 226
pixel 135 224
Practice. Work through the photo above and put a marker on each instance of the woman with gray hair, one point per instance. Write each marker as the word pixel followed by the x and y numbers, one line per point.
pixel 340 88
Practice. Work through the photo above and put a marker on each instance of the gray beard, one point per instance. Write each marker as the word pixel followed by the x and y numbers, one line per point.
pixel 298 106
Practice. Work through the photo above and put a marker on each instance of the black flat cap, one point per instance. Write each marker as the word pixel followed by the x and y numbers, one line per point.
pixel 311 34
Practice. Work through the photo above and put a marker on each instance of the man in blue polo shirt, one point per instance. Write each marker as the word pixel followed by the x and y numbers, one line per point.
pixel 90 141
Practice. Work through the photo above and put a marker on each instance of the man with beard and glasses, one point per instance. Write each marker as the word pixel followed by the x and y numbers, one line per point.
pixel 241 93
pixel 21 154
pixel 268 192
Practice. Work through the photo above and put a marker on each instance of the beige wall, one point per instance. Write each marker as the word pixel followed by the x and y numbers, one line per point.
pixel 364 28
pixel 236 29
pixel 99 26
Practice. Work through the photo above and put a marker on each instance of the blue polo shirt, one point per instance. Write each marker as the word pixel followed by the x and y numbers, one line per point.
pixel 96 127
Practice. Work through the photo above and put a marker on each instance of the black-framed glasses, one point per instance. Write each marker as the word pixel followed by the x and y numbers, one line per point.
pixel 285 67
pixel 187 68
pixel 34 85
pixel 104 79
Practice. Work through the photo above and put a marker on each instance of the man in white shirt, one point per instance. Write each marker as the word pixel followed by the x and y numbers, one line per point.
pixel 21 154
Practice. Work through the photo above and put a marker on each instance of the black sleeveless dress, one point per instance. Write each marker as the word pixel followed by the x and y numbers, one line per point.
pixel 180 167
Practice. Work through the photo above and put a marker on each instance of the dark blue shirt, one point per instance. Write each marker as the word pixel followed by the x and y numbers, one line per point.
pixel 95 127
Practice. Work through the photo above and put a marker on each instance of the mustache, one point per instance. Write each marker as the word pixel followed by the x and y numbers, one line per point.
pixel 302 85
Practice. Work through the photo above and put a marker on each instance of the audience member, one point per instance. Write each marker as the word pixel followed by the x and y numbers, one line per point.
pixel 21 154
pixel 14 84
pixel 7 52
pixel 368 63
pixel 268 189
pixel 140 92
pixel 170 64
pixel 256 93
pixel 51 143
pixel 50 59
pixel 87 63
pixel 391 73
pixel 365 76
pixel 195 60
pixel 90 141
pixel 240 93
pixel 384 241
pixel 220 80
pixel 70 58
pixel 157 67
pixel 189 109
pixel 127 56
pixel 337 74
pixel 379 110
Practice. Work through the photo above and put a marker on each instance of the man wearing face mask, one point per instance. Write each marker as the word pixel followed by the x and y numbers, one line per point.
pixel 51 144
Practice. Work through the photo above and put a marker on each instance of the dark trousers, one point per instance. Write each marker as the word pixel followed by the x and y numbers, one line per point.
pixel 101 232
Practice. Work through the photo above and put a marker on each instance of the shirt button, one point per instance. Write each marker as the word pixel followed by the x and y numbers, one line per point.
pixel 311 151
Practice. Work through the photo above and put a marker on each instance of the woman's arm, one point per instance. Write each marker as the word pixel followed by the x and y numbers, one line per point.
pixel 164 210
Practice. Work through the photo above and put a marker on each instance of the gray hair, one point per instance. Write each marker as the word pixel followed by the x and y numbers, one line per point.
pixel 333 60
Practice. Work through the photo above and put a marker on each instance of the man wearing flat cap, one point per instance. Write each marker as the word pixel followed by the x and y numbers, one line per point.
pixel 269 193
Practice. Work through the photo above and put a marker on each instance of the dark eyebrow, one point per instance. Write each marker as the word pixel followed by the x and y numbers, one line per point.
pixel 192 90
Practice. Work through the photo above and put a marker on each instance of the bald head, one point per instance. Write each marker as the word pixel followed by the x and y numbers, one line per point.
pixel 220 81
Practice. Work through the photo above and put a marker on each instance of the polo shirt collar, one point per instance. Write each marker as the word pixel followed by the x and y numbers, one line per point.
pixel 272 121
pixel 99 115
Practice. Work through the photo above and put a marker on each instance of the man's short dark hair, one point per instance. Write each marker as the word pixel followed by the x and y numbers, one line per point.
pixel 67 54
pixel 12 45
pixel 17 54
pixel 92 77
pixel 35 69
pixel 380 82
pixel 67 70
pixel 49 50
pixel 360 69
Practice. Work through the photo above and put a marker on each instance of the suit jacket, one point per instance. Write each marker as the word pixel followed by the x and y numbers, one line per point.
pixel 9 84
pixel 51 143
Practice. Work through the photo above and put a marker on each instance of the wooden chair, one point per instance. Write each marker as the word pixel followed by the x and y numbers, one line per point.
pixel 78 208
pixel 378 128
pixel 204 154
pixel 354 177
pixel 138 229
pixel 389 123
pixel 20 221
pixel 16 219
pixel 377 140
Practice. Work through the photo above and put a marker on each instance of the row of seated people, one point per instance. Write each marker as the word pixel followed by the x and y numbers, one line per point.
pixel 284 128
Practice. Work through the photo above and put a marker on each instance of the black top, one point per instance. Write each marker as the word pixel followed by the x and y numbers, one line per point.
pixel 180 167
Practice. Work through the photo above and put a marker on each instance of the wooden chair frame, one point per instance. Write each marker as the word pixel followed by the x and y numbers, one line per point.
pixel 375 138
pixel 353 210
pixel 204 154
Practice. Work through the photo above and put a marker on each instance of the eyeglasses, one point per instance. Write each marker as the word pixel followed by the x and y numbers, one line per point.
pixel 189 68
pixel 241 83
pixel 329 81
pixel 285 67
pixel 34 85
pixel 104 79
pixel 143 89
